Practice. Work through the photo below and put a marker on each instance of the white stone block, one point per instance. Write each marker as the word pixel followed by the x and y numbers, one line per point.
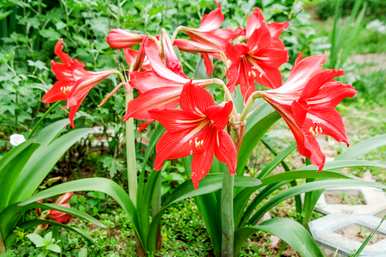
pixel 374 202
pixel 326 231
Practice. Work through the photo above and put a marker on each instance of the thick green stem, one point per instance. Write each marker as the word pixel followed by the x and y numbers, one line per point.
pixel 156 207
pixel 227 219
pixel 130 154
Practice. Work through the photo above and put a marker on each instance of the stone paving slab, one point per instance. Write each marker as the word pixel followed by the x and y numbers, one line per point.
pixel 375 202
pixel 324 230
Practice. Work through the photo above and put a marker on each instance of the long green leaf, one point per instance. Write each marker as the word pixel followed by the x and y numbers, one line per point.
pixel 9 218
pixel 47 134
pixel 275 182
pixel 367 240
pixel 334 41
pixel 302 174
pixel 103 185
pixel 10 155
pixel 308 187
pixel 286 167
pixel 251 138
pixel 286 229
pixel 206 205
pixel 11 173
pixel 42 162
pixel 310 201
pixel 245 214
pixel 72 211
pixel 143 207
pixel 209 184
pixel 35 222
pixel 339 164
pixel 276 161
pixel 363 147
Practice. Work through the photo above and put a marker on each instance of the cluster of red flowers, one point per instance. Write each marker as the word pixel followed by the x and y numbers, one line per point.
pixel 195 124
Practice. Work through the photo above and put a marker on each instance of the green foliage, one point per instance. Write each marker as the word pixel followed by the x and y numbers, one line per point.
pixel 28 32
pixel 371 88
pixel 47 244
pixel 251 203
pixel 325 8
pixel 343 36
pixel 25 167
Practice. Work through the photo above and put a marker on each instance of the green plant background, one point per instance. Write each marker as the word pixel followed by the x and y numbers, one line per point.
pixel 29 30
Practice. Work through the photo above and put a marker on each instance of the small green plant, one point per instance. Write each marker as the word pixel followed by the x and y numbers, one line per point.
pixel 47 244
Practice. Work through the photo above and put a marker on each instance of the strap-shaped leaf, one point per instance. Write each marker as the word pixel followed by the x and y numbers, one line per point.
pixel 42 162
pixel 267 169
pixel 47 134
pixel 11 154
pixel 252 137
pixel 12 171
pixel 339 164
pixel 102 185
pixel 286 229
pixel 209 207
pixel 363 147
pixel 367 240
pixel 72 211
pixel 32 223
pixel 308 187
pixel 209 184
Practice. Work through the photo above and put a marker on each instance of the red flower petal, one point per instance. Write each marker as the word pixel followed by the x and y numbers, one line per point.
pixel 260 38
pixel 193 46
pixel 226 151
pixel 195 99
pixel 329 123
pixel 315 154
pixel 130 55
pixel 172 61
pixel 212 20
pixel 58 92
pixel 255 21
pixel 180 144
pixel 119 38
pixel 202 161
pixel 318 80
pixel 276 28
pixel 152 99
pixel 175 120
pixel 208 64
pixel 331 94
pixel 219 115
pixel 146 80
pixel 302 72
pixel 153 54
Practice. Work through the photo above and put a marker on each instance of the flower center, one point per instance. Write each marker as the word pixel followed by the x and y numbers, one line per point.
pixel 315 130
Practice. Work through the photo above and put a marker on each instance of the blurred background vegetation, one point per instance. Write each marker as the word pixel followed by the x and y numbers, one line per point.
pixel 351 32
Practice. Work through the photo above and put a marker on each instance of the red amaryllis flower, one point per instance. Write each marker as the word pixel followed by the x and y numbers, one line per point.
pixel 259 58
pixel 59 216
pixel 74 82
pixel 159 87
pixel 208 39
pixel 307 103
pixel 197 129
pixel 119 38
pixel 123 39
